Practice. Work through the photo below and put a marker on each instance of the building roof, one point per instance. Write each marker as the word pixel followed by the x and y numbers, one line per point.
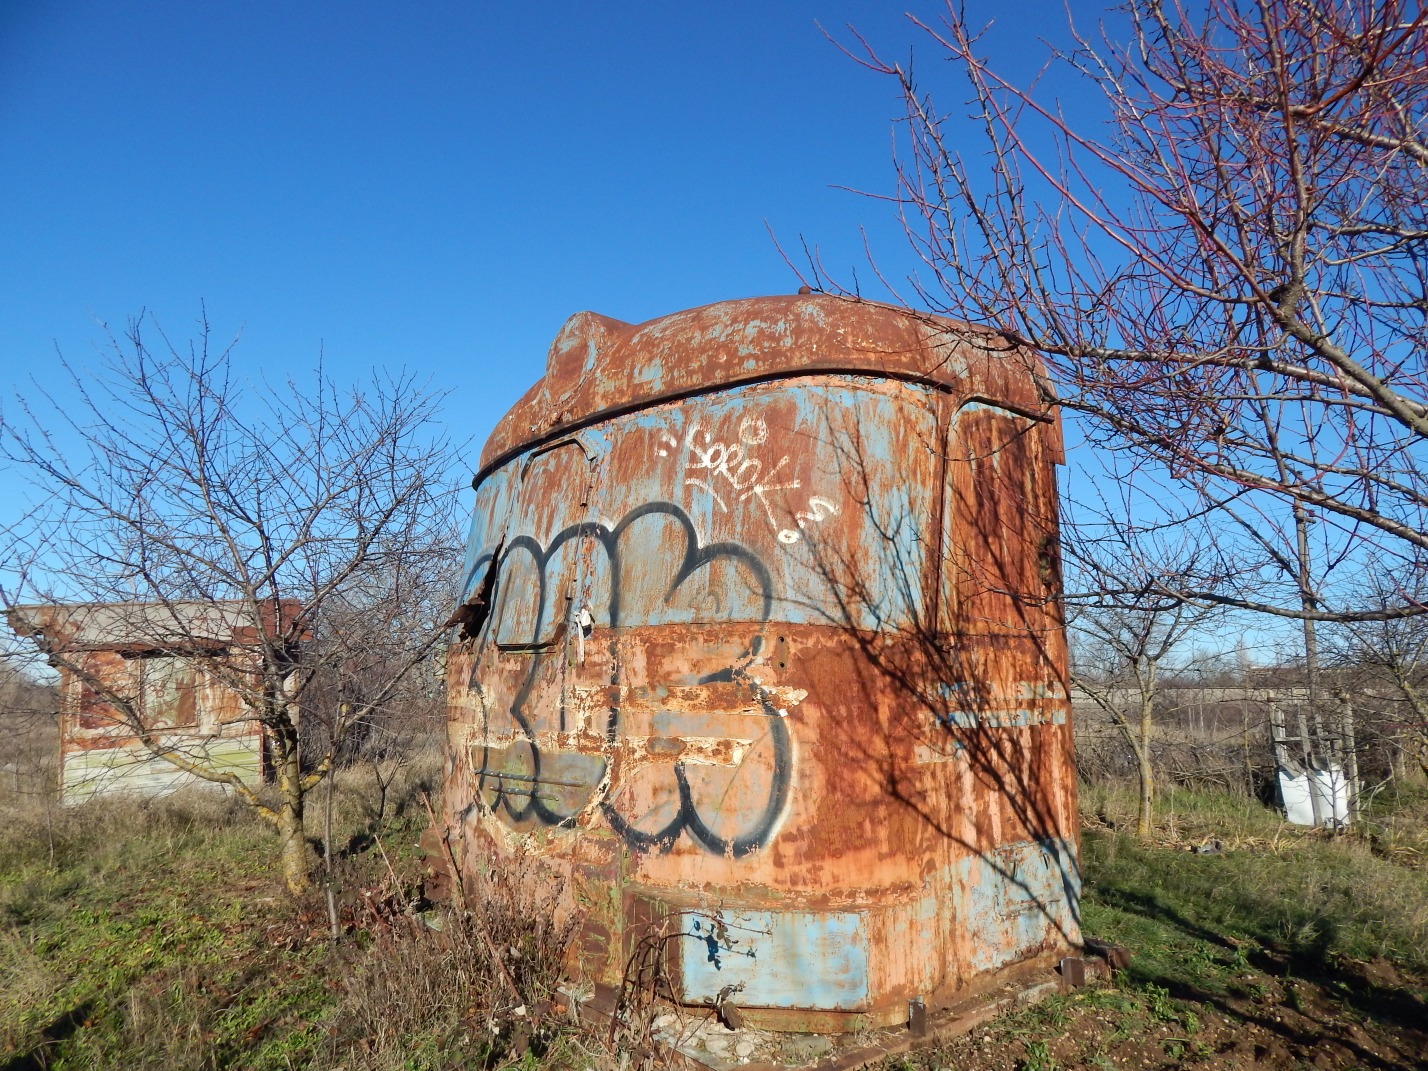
pixel 145 626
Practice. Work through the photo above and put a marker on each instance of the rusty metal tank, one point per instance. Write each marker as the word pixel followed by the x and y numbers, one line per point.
pixel 759 648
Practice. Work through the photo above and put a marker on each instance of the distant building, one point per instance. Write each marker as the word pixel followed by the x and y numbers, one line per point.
pixel 177 671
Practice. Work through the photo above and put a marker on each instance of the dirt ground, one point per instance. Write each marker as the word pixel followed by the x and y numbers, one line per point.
pixel 1367 1015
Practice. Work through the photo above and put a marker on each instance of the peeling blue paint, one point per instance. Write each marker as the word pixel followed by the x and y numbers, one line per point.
pixel 994 718
pixel 782 959
pixel 879 519
pixel 643 535
pixel 1018 898
pixel 970 707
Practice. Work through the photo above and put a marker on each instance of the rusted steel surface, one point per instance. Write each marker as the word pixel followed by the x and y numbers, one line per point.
pixel 599 366
pixel 760 650
pixel 172 668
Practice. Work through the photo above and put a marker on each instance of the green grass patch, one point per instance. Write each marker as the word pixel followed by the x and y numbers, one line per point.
pixel 1312 897
pixel 150 941
pixel 158 936
pixel 1284 948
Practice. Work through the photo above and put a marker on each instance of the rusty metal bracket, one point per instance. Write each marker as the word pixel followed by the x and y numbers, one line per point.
pixel 1116 957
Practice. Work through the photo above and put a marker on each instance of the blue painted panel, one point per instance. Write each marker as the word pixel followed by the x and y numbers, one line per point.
pixel 1019 897
pixel 751 504
pixel 784 959
pixel 1000 704
pixel 1000 717
pixel 562 781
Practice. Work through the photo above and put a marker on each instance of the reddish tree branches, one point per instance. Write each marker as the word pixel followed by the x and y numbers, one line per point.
pixel 1230 277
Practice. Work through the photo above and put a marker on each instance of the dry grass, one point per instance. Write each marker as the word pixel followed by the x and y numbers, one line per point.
pixel 137 933
pixel 27 981
pixel 155 934
pixel 371 794
pixel 474 981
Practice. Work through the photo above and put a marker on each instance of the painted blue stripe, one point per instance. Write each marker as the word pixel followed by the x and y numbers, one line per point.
pixel 784 959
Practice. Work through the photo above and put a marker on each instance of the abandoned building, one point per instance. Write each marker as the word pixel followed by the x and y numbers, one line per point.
pixel 174 670
pixel 760 651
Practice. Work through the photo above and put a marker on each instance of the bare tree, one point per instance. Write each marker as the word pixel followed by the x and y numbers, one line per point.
pixel 28 727
pixel 1120 656
pixel 270 538
pixel 1227 279
pixel 1388 662
pixel 1125 636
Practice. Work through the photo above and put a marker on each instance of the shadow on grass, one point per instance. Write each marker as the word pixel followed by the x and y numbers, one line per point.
pixel 1396 1007
pixel 1133 902
pixel 1368 1008
pixel 60 1029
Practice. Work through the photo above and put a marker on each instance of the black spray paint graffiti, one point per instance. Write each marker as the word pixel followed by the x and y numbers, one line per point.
pixel 515 794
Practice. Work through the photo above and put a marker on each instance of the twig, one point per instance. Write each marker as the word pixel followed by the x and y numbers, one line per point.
pixel 459 897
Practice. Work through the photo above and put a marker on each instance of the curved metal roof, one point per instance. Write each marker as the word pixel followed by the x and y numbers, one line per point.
pixel 599 367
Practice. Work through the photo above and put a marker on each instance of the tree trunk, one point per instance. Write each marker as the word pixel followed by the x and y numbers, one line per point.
pixel 1147 775
pixel 1315 749
pixel 1245 748
pixel 1351 754
pixel 296 857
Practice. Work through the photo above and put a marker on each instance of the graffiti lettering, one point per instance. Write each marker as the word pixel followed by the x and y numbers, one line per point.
pixel 528 780
pixel 722 468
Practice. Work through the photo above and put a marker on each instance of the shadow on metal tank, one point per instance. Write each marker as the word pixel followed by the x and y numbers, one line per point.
pixel 759 648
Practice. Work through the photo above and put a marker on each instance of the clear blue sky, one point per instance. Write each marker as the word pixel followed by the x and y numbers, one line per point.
pixel 437 186
pixel 434 186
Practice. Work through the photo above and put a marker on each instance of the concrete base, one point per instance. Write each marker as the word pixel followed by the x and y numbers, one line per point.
pixel 694 1039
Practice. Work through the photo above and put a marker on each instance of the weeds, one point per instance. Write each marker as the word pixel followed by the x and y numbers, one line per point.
pixel 1199 917
pixel 1262 955
pixel 154 936
pixel 475 981
pixel 140 945
pixel 1159 1004
pixel 159 937
pixel 1038 1058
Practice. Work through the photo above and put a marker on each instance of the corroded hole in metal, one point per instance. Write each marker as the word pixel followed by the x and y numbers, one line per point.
pixel 471 615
